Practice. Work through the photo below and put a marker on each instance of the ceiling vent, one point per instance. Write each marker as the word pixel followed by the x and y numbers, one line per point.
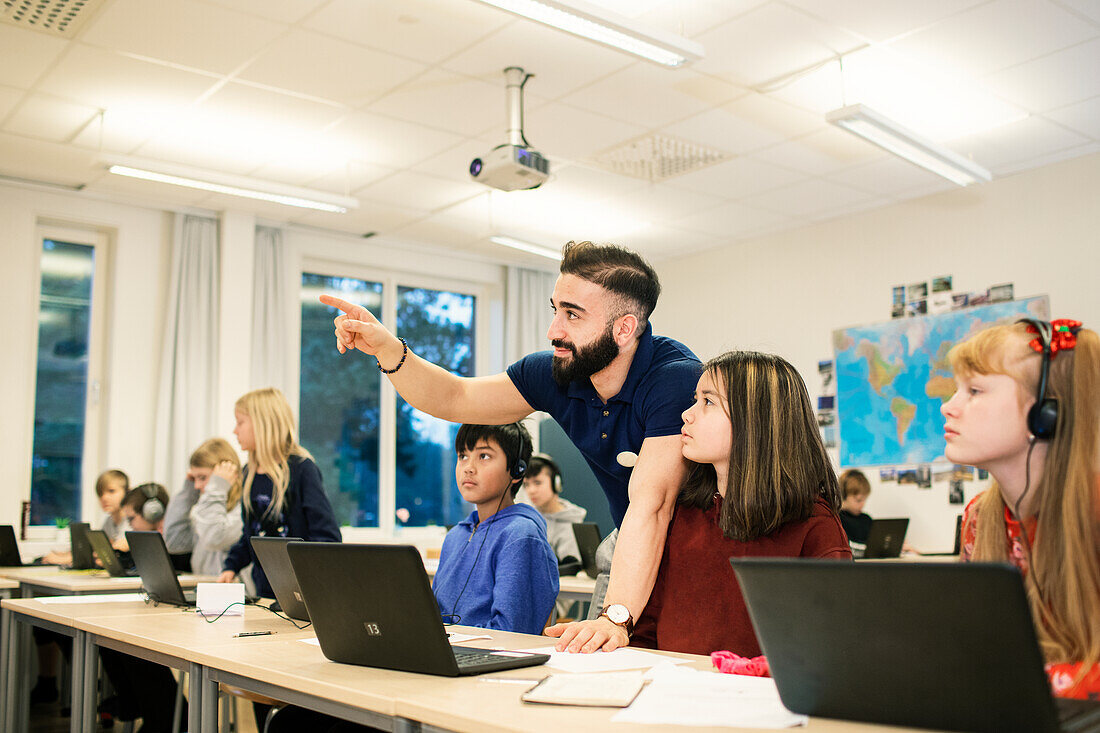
pixel 658 158
pixel 57 17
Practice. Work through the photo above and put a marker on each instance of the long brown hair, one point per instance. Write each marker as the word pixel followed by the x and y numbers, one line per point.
pixel 1063 580
pixel 212 452
pixel 778 465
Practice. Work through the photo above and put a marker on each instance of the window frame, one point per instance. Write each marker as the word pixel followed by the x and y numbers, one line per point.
pixel 484 337
pixel 93 451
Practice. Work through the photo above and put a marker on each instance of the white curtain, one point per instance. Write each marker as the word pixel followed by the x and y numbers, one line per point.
pixel 273 296
pixel 527 312
pixel 187 399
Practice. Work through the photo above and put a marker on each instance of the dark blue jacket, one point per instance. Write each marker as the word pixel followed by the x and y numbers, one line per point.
pixel 501 575
pixel 306 514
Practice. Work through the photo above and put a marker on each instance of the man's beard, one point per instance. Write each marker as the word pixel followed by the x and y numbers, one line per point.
pixel 586 360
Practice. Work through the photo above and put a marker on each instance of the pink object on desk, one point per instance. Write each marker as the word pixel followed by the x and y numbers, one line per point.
pixel 730 663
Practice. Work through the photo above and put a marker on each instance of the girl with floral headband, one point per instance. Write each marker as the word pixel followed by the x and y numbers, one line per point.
pixel 1035 427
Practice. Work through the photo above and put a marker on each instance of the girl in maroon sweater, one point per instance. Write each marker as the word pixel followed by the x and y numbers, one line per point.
pixel 760 485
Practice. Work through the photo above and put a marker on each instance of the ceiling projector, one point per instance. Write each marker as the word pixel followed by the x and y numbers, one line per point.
pixel 514 165
pixel 510 167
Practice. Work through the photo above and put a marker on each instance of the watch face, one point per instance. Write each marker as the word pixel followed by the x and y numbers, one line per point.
pixel 618 613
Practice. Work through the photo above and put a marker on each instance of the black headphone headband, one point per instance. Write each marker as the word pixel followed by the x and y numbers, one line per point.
pixel 519 468
pixel 1042 418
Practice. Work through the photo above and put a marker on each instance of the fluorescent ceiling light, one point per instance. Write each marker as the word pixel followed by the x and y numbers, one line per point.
pixel 892 137
pixel 603 26
pixel 252 188
pixel 535 249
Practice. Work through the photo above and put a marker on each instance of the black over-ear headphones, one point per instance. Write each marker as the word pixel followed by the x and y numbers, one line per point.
pixel 555 472
pixel 519 468
pixel 152 510
pixel 1042 418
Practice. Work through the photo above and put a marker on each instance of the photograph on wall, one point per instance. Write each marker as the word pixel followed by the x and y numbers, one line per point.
pixel 830 436
pixel 899 295
pixel 905 475
pixel 897 310
pixel 939 303
pixel 916 308
pixel 942 472
pixel 826 402
pixel 887 474
pixel 941 284
pixel 916 291
pixel 892 378
pixel 960 300
pixel 924 476
pixel 1001 293
pixel 980 297
pixel 982 474
pixel 827 372
pixel 955 493
pixel 826 417
pixel 962 473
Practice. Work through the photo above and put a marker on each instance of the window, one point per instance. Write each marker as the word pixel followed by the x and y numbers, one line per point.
pixel 384 463
pixel 64 450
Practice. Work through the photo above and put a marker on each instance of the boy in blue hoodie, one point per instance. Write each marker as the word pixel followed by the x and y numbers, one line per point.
pixel 496 569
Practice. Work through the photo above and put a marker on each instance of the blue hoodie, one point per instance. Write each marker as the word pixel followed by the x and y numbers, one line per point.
pixel 508 568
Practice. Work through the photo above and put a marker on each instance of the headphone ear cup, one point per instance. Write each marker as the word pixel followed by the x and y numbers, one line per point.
pixel 152 510
pixel 557 483
pixel 1042 419
pixel 519 469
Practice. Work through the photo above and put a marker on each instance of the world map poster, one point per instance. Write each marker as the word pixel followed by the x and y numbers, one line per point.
pixel 893 377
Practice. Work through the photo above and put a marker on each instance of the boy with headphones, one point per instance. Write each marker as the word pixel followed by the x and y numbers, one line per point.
pixel 144 507
pixel 542 490
pixel 496 568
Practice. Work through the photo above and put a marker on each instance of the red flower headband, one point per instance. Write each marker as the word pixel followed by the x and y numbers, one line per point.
pixel 1063 335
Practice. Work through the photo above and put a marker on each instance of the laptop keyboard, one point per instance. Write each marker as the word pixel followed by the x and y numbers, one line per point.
pixel 1078 716
pixel 468 657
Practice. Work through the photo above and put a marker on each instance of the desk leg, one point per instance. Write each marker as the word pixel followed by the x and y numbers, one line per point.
pixel 89 677
pixel 76 684
pixel 197 702
pixel 209 716
pixel 8 671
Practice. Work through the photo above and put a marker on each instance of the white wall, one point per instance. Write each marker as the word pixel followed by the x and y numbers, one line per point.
pixel 787 292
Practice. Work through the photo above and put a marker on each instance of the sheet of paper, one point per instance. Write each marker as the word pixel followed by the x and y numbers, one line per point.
pixel 312 641
pixel 456 638
pixel 693 697
pixel 620 659
pixel 605 689
pixel 96 598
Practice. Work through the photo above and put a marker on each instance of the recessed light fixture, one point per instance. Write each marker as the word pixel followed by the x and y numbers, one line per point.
pixel 603 26
pixel 231 185
pixel 891 136
pixel 530 247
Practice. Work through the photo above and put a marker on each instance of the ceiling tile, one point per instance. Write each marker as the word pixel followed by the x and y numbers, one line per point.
pixel 449 101
pixel 807 198
pixel 559 61
pixel 1088 8
pixel 426 30
pixel 769 42
pixel 995 35
pixel 369 217
pixel 25 55
pixel 592 183
pixel 1083 117
pixel 326 67
pixel 194 34
pixel 736 178
pixel 888 176
pixel 560 130
pixel 1016 142
pixel 418 191
pixel 733 220
pixel 342 179
pixel 388 142
pixel 821 153
pixel 441 231
pixel 48 162
pixel 1051 158
pixel 9 97
pixel 48 118
pixel 660 203
pixel 1055 80
pixel 282 11
pixel 454 162
pixel 731 127
pixel 260 106
pixel 882 20
pixel 657 96
pixel 692 17
pixel 657 242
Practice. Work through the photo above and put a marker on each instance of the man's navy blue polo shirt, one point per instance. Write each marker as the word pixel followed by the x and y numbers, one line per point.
pixel 657 390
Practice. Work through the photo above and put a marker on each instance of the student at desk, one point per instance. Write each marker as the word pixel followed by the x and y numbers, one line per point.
pixel 854 489
pixel 204 517
pixel 1027 409
pixel 760 485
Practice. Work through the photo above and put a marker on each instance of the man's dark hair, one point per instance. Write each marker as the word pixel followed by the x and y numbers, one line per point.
pixel 512 438
pixel 620 271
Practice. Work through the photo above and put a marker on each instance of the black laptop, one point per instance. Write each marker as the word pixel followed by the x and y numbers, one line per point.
pixel 9 548
pixel 372 605
pixel 886 538
pixel 272 555
pixel 154 565
pixel 932 645
pixel 81 548
pixel 588 539
pixel 101 546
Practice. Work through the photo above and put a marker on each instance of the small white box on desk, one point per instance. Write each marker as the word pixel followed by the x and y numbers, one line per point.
pixel 220 598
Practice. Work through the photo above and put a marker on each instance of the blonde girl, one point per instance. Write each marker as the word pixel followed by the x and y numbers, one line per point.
pixel 283 494
pixel 1043 511
pixel 203 517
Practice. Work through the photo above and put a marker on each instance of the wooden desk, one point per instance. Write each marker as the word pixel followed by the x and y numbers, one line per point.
pixel 50 580
pixel 7 586
pixel 283 667
pixel 570 587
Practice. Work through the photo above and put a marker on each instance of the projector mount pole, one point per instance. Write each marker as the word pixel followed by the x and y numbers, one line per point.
pixel 515 79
